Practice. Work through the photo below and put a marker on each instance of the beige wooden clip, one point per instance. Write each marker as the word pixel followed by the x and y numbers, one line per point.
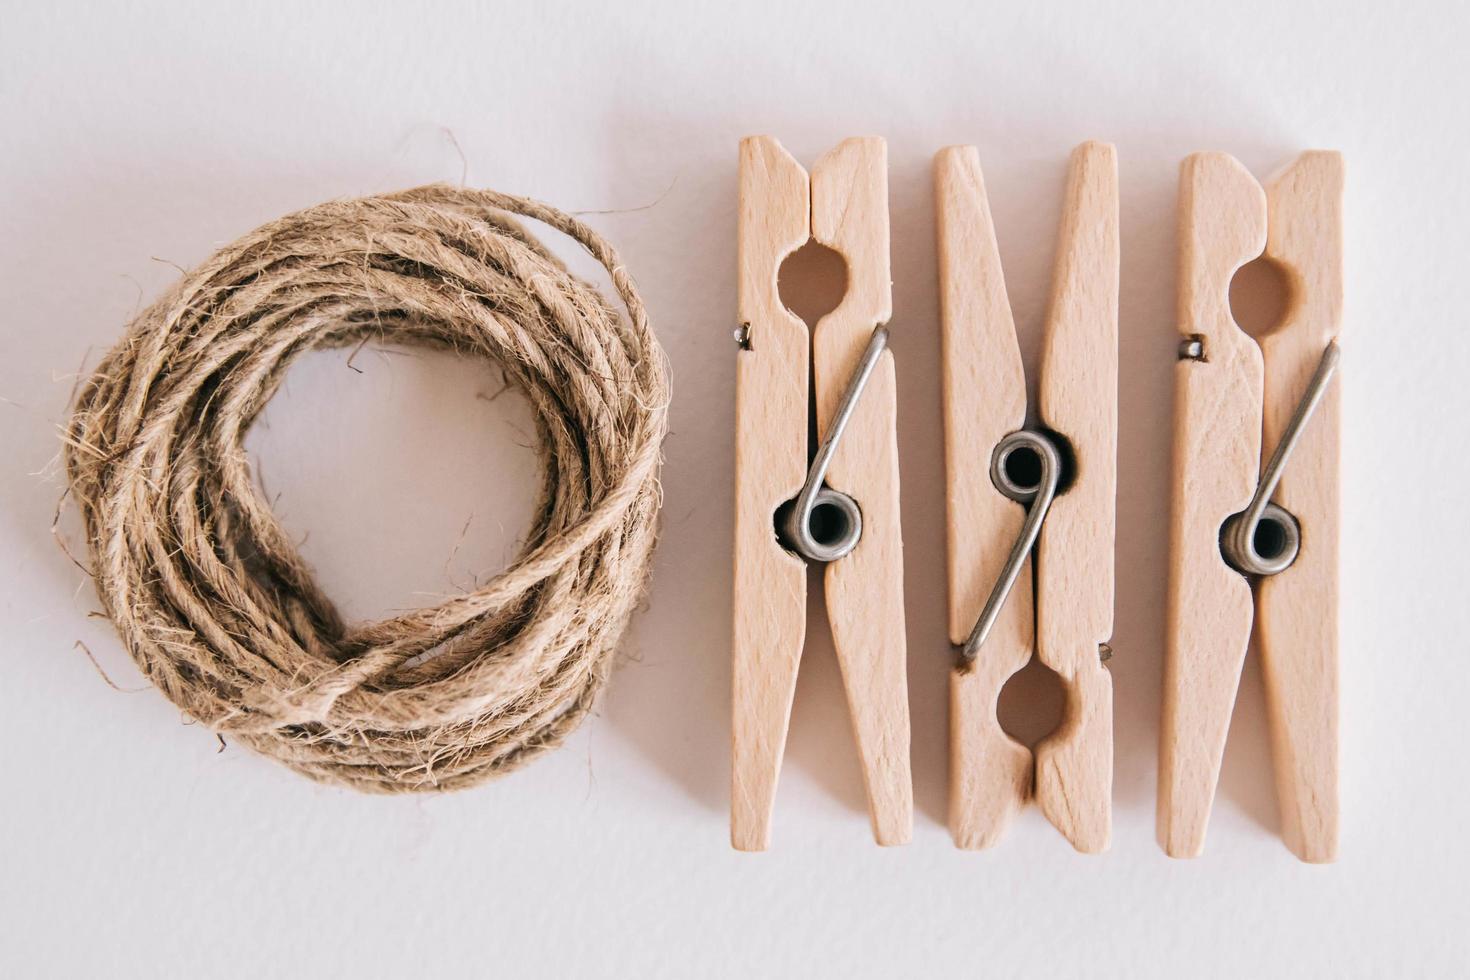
pixel 843 204
pixel 1234 399
pixel 991 774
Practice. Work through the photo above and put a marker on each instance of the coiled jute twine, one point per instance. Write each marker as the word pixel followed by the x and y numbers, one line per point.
pixel 206 588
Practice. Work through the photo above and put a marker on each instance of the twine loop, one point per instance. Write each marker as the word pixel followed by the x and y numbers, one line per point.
pixel 207 590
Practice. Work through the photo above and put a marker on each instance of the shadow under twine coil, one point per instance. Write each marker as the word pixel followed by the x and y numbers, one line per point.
pixel 206 589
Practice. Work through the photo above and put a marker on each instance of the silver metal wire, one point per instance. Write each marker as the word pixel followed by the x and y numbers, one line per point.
pixel 1038 496
pixel 1264 539
pixel 841 520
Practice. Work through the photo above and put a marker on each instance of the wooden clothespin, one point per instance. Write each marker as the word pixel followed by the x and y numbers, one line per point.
pixel 1004 480
pixel 1235 523
pixel 839 507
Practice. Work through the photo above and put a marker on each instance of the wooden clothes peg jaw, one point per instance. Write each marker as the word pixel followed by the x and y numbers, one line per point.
pixel 843 204
pixel 991 775
pixel 1234 399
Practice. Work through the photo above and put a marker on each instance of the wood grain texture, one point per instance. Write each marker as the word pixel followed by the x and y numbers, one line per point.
pixel 1297 610
pixel 1217 450
pixel 1074 555
pixel 984 390
pixel 770 465
pixel 849 214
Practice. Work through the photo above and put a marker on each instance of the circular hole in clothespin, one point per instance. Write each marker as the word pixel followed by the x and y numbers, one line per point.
pixel 1261 296
pixel 1032 703
pixel 812 281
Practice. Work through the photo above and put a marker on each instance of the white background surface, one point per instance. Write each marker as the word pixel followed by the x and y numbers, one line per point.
pixel 139 136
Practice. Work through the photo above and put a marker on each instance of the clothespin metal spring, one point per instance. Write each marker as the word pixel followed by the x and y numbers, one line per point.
pixel 822 524
pixel 1264 538
pixel 1036 493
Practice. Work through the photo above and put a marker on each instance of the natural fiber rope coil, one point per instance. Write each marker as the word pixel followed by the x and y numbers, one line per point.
pixel 205 587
